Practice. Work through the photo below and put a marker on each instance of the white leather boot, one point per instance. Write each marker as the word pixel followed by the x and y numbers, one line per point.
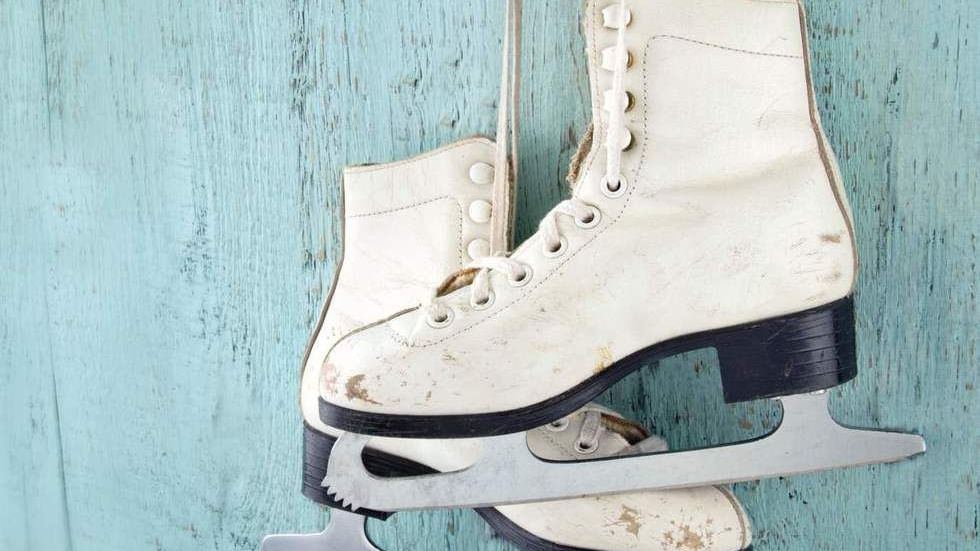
pixel 405 225
pixel 708 212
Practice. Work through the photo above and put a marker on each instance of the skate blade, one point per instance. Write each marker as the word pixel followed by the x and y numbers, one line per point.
pixel 346 532
pixel 807 440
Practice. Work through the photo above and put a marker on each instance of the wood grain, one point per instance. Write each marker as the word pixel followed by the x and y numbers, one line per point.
pixel 168 226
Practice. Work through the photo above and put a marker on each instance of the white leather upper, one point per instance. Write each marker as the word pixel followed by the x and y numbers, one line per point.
pixel 731 214
pixel 405 224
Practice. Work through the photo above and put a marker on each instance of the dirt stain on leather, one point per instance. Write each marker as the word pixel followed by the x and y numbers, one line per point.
pixel 604 360
pixel 831 237
pixel 687 539
pixel 356 390
pixel 629 519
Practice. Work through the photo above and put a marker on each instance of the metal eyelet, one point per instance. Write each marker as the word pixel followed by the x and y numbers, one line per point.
pixel 608 61
pixel 627 140
pixel 586 448
pixel 524 279
pixel 591 221
pixel 554 253
pixel 557 426
pixel 611 192
pixel 443 322
pixel 630 103
pixel 487 303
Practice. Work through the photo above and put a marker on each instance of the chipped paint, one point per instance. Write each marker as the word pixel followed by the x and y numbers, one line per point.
pixel 356 390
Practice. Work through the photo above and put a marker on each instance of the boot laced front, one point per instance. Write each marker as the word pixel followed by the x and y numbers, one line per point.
pixel 586 216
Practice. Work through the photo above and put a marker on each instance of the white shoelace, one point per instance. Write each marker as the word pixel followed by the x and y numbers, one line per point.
pixel 584 214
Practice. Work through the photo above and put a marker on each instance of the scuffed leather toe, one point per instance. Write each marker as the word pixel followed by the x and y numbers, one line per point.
pixel 359 374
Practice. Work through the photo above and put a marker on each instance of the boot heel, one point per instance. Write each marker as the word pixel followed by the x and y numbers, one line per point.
pixel 794 354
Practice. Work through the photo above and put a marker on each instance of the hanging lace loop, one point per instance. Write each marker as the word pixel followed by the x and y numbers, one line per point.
pixel 478 273
pixel 508 130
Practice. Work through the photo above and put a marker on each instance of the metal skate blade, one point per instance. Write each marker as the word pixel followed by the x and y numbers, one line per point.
pixel 808 440
pixel 346 532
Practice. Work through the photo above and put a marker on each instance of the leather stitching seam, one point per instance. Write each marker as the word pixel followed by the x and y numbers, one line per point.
pixel 459 218
pixel 404 341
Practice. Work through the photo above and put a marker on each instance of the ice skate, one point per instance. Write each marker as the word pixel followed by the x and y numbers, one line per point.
pixel 391 256
pixel 708 212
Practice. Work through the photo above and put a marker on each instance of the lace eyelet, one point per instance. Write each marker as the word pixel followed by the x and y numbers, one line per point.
pixel 487 303
pixel 446 319
pixel 590 221
pixel 608 61
pixel 611 192
pixel 554 253
pixel 630 104
pixel 557 426
pixel 524 279
pixel 585 448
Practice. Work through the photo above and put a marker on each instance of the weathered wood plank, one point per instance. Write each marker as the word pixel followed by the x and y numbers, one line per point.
pixel 33 508
pixel 168 191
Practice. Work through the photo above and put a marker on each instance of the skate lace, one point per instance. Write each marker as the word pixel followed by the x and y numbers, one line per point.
pixel 585 215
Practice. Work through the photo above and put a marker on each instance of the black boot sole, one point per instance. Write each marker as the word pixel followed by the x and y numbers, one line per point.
pixel 794 354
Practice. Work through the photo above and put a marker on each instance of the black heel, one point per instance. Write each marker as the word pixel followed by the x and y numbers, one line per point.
pixel 794 354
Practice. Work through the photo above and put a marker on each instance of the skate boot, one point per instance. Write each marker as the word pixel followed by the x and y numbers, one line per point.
pixel 708 212
pixel 406 224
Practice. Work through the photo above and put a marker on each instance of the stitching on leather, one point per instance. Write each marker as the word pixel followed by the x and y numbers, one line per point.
pixel 403 340
pixel 720 47
pixel 406 207
pixel 459 218
pixel 384 166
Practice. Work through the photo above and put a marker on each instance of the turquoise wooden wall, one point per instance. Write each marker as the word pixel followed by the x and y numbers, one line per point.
pixel 168 227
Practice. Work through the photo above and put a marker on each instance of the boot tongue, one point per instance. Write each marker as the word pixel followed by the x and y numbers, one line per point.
pixel 455 281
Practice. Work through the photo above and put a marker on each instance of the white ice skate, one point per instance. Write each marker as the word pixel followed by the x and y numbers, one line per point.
pixel 708 212
pixel 405 225
pixel 397 239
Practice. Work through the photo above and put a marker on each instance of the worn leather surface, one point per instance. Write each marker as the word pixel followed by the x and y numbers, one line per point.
pixel 732 213
pixel 402 235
